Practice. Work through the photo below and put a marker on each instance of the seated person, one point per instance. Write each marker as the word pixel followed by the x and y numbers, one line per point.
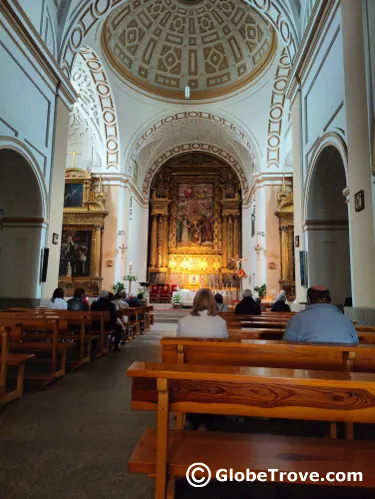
pixel 120 304
pixel 280 305
pixel 133 302
pixel 247 305
pixel 57 301
pixel 103 304
pixel 78 303
pixel 203 321
pixel 142 300
pixel 119 300
pixel 221 307
pixel 320 322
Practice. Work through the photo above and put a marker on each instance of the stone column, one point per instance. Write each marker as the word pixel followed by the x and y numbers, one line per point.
pixel 154 241
pixel 297 140
pixel 225 242
pixel 57 186
pixel 361 224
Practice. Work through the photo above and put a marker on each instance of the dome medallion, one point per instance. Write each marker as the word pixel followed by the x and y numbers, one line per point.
pixel 213 46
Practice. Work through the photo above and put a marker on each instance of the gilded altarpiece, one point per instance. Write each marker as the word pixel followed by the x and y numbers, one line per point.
pixel 195 223
pixel 81 238
pixel 285 214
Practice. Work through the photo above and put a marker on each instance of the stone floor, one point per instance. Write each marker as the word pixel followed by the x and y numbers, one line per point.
pixel 73 440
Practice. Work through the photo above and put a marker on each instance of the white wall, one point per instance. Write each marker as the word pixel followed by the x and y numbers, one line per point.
pixel 138 242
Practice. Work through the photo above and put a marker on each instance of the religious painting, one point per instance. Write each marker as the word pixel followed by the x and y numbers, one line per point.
pixel 195 215
pixel 76 251
pixel 73 196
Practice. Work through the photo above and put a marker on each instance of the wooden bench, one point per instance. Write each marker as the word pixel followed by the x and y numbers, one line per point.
pixel 262 353
pixel 11 360
pixel 254 392
pixel 41 336
pixel 79 329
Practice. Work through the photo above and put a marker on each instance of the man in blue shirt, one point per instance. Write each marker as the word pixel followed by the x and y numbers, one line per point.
pixel 320 322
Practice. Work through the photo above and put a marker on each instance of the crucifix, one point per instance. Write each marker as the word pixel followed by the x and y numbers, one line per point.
pixel 74 154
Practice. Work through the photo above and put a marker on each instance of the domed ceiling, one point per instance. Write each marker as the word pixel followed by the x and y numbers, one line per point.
pixel 213 46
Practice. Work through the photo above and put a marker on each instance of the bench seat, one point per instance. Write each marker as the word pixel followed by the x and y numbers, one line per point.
pixel 257 452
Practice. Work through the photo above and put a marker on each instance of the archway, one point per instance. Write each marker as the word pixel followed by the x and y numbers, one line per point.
pixel 21 227
pixel 327 226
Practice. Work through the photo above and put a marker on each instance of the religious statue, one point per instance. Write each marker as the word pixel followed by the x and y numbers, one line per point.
pixel 238 263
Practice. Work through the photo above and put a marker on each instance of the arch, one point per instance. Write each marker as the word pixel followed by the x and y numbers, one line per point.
pixel 276 114
pixel 22 228
pixel 85 18
pixel 230 129
pixel 327 223
pixel 19 147
pixel 182 149
pixel 106 106
pixel 328 139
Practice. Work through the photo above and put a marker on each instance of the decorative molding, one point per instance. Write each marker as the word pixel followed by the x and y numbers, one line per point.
pixel 276 113
pixel 237 133
pixel 209 149
pixel 213 47
pixel 107 103
pixel 88 16
pixel 43 58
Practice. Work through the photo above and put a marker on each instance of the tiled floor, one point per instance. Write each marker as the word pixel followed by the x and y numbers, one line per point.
pixel 73 440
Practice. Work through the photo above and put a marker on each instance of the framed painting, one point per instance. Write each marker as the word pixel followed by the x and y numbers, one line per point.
pixel 76 251
pixel 73 195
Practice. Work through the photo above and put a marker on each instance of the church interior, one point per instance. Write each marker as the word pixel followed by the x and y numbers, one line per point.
pixel 154 149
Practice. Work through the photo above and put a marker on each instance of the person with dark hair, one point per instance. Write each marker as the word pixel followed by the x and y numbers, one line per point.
pixel 104 304
pixel 78 302
pixel 203 320
pixel 247 305
pixel 57 301
pixel 142 300
pixel 221 306
pixel 280 305
pixel 320 322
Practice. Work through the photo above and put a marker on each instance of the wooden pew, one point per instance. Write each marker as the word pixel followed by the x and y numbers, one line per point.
pixel 261 353
pixel 40 337
pixel 79 328
pixel 277 334
pixel 11 360
pixel 255 392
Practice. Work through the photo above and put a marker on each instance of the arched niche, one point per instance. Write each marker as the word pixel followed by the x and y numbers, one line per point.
pixel 327 225
pixel 21 227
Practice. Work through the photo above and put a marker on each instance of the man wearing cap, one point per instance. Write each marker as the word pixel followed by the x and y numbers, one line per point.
pixel 320 322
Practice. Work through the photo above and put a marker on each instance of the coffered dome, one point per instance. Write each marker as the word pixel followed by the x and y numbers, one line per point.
pixel 213 46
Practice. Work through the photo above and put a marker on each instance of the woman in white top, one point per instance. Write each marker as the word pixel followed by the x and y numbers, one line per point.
pixel 203 321
pixel 57 301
